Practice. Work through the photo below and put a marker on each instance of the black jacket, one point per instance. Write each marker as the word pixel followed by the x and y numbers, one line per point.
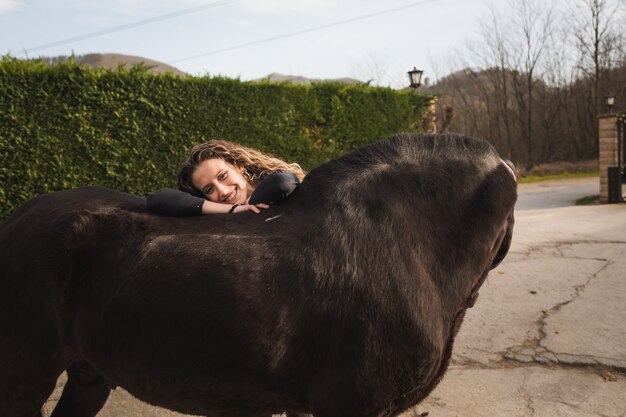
pixel 276 186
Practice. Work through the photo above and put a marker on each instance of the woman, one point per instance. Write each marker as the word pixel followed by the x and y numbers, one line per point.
pixel 223 177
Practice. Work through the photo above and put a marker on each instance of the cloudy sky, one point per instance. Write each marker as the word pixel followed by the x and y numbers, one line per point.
pixel 365 39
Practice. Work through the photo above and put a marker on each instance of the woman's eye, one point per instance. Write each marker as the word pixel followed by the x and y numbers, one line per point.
pixel 222 176
pixel 208 191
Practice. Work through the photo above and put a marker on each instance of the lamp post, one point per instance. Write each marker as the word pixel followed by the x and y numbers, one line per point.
pixel 613 163
pixel 415 78
pixel 429 121
pixel 609 101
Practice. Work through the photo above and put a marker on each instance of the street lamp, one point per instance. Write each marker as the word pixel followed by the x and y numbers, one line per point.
pixel 609 100
pixel 415 77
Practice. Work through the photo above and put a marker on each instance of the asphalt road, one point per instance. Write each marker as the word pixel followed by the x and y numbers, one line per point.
pixel 555 193
pixel 547 335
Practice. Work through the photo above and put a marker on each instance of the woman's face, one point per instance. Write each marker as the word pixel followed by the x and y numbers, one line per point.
pixel 220 181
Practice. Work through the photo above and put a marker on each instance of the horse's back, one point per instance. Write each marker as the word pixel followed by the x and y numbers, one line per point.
pixel 36 239
pixel 48 209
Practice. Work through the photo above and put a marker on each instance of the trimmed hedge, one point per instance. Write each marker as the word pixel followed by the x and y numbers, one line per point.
pixel 65 126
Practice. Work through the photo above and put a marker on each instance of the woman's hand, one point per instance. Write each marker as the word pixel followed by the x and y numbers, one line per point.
pixel 252 207
pixel 210 207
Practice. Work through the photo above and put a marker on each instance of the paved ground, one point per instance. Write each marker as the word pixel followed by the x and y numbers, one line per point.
pixel 547 336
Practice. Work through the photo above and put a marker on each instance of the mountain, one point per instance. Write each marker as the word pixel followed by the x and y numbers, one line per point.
pixel 297 79
pixel 113 61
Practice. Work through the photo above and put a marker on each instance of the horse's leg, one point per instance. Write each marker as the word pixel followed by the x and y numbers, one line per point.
pixel 30 358
pixel 23 394
pixel 29 401
pixel 84 394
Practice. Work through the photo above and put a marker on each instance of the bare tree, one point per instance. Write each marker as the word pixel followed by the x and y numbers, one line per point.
pixel 514 40
pixel 533 81
pixel 373 69
pixel 532 20
pixel 553 98
pixel 493 57
pixel 598 39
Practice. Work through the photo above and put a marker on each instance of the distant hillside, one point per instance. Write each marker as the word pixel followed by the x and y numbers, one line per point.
pixel 112 61
pixel 297 79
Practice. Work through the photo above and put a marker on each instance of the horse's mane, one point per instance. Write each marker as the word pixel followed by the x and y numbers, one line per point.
pixel 415 147
pixel 399 155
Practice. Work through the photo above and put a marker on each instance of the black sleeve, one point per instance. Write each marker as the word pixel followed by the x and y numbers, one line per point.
pixel 275 187
pixel 171 202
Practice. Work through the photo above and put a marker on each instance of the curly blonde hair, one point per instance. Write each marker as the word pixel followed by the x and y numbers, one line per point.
pixel 255 163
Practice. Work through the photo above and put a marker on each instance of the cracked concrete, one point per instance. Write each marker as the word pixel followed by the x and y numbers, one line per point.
pixel 514 302
pixel 524 391
pixel 583 334
pixel 546 348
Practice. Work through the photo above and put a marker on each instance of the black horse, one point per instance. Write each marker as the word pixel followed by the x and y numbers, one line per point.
pixel 343 300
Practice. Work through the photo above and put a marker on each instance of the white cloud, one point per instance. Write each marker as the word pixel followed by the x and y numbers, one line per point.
pixel 166 5
pixel 244 23
pixel 282 6
pixel 9 5
pixel 138 8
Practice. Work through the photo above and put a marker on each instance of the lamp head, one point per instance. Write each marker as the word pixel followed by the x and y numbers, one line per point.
pixel 609 100
pixel 415 77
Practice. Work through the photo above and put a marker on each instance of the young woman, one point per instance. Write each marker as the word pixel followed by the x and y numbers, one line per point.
pixel 223 177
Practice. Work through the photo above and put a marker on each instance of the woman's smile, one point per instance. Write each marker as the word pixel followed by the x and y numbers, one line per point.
pixel 232 196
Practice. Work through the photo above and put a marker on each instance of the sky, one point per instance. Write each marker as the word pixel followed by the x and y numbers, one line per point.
pixel 363 39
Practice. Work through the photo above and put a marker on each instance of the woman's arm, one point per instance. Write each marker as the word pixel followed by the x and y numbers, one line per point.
pixel 171 202
pixel 275 187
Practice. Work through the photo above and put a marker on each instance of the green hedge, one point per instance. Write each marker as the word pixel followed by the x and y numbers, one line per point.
pixel 65 126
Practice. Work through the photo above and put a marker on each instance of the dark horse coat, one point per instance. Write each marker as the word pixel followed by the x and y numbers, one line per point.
pixel 343 300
